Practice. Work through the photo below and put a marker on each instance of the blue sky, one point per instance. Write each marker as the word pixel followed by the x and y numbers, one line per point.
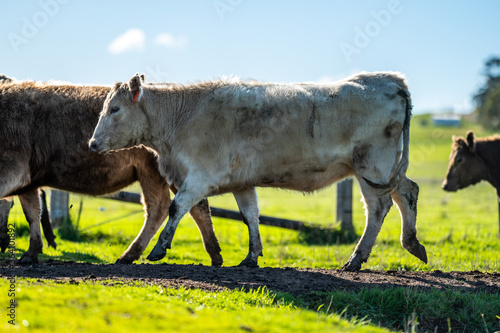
pixel 440 46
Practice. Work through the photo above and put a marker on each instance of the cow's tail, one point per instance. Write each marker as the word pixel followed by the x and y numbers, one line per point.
pixel 403 164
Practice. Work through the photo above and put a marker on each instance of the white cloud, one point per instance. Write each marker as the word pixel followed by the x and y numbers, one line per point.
pixel 132 39
pixel 170 41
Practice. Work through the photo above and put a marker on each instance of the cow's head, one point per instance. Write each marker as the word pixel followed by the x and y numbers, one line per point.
pixel 122 122
pixel 465 167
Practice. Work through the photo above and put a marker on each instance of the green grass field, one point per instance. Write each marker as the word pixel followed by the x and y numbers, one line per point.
pixel 459 230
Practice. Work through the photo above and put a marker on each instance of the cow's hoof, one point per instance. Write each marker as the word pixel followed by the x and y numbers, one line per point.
pixel 248 263
pixel 27 260
pixel 124 261
pixel 348 267
pixel 352 265
pixel 52 243
pixel 418 250
pixel 157 254
pixel 218 261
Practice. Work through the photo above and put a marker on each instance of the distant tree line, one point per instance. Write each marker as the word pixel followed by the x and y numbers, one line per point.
pixel 487 99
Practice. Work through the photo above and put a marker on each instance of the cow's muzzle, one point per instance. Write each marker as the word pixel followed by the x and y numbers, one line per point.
pixel 95 146
pixel 446 186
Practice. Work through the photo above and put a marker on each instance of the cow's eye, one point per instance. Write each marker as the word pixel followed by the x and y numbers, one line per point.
pixel 115 109
pixel 460 159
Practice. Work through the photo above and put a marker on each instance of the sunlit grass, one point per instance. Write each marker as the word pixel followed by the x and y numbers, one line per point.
pixel 48 306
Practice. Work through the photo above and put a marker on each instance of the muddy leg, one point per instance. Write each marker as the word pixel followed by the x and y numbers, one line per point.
pixel 377 205
pixel 201 216
pixel 30 201
pixel 46 223
pixel 189 194
pixel 405 195
pixel 249 208
pixel 5 205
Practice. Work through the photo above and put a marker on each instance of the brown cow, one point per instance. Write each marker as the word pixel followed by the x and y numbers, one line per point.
pixel 232 136
pixel 473 160
pixel 43 142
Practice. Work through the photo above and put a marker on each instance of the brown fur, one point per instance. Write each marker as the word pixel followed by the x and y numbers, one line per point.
pixel 45 130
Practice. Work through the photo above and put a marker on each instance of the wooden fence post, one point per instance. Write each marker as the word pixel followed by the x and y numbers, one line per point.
pixel 59 207
pixel 344 206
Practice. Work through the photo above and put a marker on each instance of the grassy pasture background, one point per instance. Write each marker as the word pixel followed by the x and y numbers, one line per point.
pixel 459 231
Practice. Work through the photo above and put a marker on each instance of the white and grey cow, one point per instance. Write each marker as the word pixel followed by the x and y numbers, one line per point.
pixel 233 136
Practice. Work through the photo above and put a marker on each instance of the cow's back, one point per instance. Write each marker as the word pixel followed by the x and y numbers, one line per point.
pixel 285 134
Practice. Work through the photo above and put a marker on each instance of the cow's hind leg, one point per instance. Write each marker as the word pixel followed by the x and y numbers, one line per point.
pixel 30 201
pixel 405 195
pixel 156 200
pixel 201 215
pixel 249 208
pixel 5 205
pixel 45 221
pixel 377 204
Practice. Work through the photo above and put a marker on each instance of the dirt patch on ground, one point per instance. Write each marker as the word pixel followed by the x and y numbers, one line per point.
pixel 293 280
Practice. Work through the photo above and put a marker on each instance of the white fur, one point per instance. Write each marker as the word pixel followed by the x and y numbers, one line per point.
pixel 231 136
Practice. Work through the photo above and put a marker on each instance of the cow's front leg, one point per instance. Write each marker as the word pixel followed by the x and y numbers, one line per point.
pixel 377 205
pixel 190 193
pixel 5 205
pixel 30 201
pixel 405 195
pixel 203 219
pixel 249 208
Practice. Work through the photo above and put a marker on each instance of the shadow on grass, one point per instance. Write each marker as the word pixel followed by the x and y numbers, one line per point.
pixel 118 238
pixel 65 257
pixel 72 232
pixel 22 229
pixel 327 235
pixel 72 257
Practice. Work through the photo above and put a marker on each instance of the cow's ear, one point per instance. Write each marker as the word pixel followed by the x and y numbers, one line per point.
pixel 461 143
pixel 471 142
pixel 135 85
